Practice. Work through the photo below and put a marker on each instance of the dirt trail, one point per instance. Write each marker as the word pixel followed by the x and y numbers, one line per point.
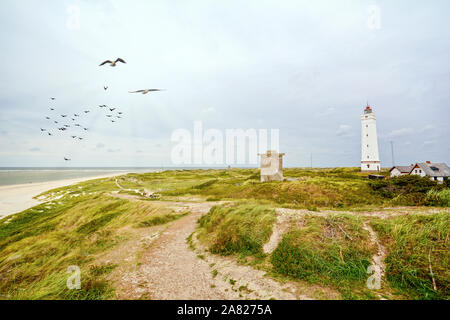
pixel 170 269
pixel 378 258
pixel 280 227
pixel 173 268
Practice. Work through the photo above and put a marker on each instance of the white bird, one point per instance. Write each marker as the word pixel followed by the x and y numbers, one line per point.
pixel 145 91
pixel 112 63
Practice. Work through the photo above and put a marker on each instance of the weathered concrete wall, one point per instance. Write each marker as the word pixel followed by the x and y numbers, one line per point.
pixel 271 166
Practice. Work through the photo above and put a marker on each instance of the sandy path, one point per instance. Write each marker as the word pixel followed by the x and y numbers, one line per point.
pixel 17 198
pixel 171 269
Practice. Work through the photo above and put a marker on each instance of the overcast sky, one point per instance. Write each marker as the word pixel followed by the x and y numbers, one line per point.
pixel 306 68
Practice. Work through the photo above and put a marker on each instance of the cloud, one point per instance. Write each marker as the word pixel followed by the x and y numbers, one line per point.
pixel 100 145
pixel 35 149
pixel 427 128
pixel 209 110
pixel 344 130
pixel 400 133
pixel 113 150
pixel 429 143
pixel 327 112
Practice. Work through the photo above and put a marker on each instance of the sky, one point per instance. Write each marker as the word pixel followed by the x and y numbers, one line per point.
pixel 306 68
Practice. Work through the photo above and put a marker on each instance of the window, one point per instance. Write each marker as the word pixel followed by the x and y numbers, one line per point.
pixel 367 135
pixel 367 146
pixel 368 166
pixel 367 157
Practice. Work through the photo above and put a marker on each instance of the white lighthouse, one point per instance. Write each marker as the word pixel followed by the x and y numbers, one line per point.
pixel 370 159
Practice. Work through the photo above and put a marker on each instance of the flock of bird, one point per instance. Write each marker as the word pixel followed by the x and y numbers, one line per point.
pixel 75 126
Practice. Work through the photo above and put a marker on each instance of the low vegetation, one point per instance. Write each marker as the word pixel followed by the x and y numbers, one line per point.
pixel 415 244
pixel 79 223
pixel 38 245
pixel 240 228
pixel 411 190
pixel 334 251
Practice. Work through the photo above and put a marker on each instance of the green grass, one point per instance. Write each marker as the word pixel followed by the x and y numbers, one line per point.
pixel 240 228
pixel 438 198
pixel 335 188
pixel 161 219
pixel 411 240
pixel 38 245
pixel 320 252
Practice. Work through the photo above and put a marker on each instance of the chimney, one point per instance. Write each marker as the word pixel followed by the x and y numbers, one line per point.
pixel 429 162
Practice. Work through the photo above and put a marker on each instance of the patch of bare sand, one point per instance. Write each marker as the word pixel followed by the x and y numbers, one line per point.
pixel 279 229
pixel 17 198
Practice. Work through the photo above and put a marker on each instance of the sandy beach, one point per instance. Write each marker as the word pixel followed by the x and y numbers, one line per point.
pixel 16 198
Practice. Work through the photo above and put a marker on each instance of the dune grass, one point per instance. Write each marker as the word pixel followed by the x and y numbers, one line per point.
pixel 82 221
pixel 242 228
pixel 415 242
pixel 38 245
pixel 334 251
pixel 334 188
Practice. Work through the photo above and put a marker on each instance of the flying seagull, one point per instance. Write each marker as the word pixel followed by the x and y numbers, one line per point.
pixel 80 138
pixel 49 133
pixel 42 130
pixel 112 109
pixel 145 91
pixel 52 98
pixel 112 63
pixel 87 111
pixel 112 121
pixel 109 115
pixel 56 121
pixel 72 119
pixel 52 109
pixel 85 129
pixel 48 118
pixel 73 137
pixel 105 87
pixel 66 159
pixel 64 115
pixel 76 115
pixel 103 106
pixel 77 125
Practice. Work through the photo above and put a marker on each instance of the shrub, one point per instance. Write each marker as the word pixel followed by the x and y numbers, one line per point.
pixel 407 190
pixel 438 198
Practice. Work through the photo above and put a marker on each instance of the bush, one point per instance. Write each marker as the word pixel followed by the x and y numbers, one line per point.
pixel 438 198
pixel 406 190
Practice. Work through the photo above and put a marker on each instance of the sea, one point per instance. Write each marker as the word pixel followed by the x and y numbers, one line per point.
pixel 12 176
pixel 17 175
